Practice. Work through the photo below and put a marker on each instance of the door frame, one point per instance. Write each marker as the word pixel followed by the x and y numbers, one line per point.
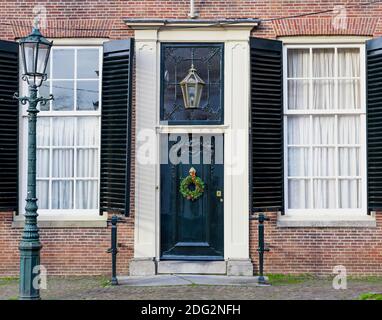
pixel 235 129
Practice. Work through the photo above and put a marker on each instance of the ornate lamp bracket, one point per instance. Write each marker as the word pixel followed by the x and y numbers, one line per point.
pixel 33 100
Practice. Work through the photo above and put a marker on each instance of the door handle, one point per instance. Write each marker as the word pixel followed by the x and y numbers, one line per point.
pixel 219 195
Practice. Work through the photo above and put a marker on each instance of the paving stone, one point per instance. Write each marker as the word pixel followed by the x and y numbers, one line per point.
pixel 96 288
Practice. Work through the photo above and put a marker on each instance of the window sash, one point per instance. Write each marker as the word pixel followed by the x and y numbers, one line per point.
pixel 76 114
pixel 361 113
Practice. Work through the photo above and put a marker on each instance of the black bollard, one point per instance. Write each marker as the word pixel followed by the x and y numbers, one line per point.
pixel 261 248
pixel 113 250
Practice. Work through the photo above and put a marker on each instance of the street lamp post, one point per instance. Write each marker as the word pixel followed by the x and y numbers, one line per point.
pixel 35 51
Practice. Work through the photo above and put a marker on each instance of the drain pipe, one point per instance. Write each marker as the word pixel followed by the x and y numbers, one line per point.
pixel 193 14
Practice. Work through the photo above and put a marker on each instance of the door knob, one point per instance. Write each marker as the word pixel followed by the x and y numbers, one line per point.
pixel 218 193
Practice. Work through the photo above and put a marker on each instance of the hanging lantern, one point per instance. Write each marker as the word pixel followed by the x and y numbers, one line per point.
pixel 192 88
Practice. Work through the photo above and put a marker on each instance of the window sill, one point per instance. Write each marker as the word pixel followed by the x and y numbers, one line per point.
pixel 326 221
pixel 89 222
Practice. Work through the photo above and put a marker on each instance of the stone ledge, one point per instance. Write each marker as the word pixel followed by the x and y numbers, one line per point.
pixel 64 224
pixel 292 223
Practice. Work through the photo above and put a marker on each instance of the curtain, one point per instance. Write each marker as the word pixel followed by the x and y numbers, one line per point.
pixel 323 150
pixel 72 177
pixel 42 162
pixel 87 160
pixel 298 87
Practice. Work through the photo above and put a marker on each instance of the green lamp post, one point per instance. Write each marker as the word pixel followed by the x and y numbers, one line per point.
pixel 35 51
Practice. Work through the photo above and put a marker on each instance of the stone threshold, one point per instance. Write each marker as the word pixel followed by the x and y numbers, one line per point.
pixel 189 279
pixel 230 267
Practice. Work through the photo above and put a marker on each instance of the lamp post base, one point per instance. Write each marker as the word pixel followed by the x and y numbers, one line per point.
pixel 29 270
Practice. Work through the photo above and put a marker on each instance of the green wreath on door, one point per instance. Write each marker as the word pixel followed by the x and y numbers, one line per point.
pixel 190 180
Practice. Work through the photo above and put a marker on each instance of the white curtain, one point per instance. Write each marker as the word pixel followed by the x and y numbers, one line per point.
pixel 349 89
pixel 72 147
pixel 87 163
pixel 323 150
pixel 298 90
pixel 42 163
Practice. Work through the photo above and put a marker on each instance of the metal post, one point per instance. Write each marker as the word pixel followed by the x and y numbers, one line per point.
pixel 261 249
pixel 30 245
pixel 114 251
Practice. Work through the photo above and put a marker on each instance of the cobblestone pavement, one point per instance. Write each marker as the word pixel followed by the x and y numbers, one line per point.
pixel 93 288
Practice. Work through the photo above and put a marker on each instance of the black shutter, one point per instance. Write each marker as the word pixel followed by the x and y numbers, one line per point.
pixel 266 156
pixel 374 123
pixel 9 112
pixel 116 126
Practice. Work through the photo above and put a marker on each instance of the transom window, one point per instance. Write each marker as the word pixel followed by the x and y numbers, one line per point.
pixel 324 123
pixel 68 132
pixel 207 61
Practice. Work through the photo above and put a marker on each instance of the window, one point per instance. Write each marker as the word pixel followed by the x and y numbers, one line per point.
pixel 68 132
pixel 324 129
pixel 177 60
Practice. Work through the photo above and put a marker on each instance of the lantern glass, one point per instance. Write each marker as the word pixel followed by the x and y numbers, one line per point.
pixel 184 99
pixel 192 88
pixel 35 51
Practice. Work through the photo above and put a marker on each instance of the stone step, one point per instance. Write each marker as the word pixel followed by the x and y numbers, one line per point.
pixel 192 267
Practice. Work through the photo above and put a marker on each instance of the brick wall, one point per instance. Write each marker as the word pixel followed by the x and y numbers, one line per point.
pixel 293 250
pixel 318 250
pixel 68 251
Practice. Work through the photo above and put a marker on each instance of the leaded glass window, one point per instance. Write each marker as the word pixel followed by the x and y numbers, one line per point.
pixel 177 60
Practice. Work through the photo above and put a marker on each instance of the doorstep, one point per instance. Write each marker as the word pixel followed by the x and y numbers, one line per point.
pixel 188 279
pixel 189 267
pixel 230 267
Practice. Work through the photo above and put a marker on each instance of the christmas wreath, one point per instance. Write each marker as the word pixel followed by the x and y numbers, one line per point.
pixel 185 184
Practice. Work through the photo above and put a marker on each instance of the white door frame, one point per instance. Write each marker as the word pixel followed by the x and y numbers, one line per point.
pixel 235 128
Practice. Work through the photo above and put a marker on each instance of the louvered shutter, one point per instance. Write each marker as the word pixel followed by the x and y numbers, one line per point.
pixel 9 111
pixel 374 123
pixel 116 126
pixel 267 174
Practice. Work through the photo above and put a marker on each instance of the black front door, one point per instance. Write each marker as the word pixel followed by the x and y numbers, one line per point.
pixel 192 229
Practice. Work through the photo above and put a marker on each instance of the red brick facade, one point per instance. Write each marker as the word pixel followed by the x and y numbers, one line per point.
pixel 318 250
pixel 79 251
pixel 68 251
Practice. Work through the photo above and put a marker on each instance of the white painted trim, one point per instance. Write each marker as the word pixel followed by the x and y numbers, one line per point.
pixel 187 25
pixel 192 129
pixel 324 39
pixel 146 232
pixel 79 42
pixel 328 214
pixel 236 113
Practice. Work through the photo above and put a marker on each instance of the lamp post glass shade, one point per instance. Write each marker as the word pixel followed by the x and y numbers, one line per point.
pixel 35 50
pixel 192 88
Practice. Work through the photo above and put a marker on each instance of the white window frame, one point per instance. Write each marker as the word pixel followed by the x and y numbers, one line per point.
pixel 62 214
pixel 328 213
